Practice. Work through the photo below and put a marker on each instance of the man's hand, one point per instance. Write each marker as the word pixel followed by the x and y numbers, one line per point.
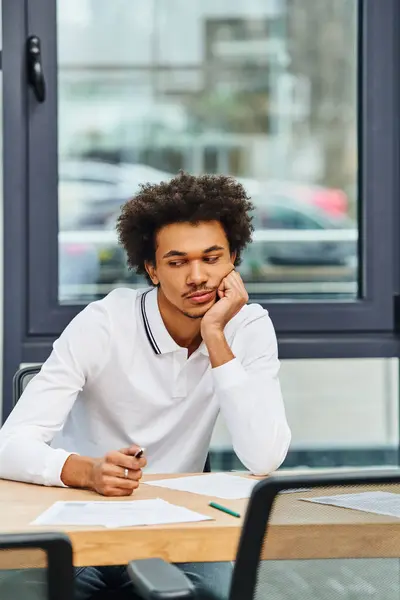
pixel 116 474
pixel 232 297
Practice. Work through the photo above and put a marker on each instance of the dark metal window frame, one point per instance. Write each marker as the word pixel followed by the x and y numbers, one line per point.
pixel 32 315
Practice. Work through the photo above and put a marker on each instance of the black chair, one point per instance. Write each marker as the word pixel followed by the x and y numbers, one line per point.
pixel 36 566
pixel 157 579
pixel 21 379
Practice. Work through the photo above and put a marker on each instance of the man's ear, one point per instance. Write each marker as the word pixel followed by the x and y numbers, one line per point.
pixel 233 257
pixel 151 271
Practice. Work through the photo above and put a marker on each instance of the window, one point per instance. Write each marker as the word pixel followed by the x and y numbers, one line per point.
pixel 279 216
pixel 296 99
pixel 251 94
pixel 342 413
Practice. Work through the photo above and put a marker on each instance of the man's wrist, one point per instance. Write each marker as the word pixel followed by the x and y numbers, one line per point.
pixel 213 332
pixel 78 471
pixel 219 350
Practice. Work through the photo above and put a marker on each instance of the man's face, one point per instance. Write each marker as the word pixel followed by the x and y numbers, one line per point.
pixel 191 261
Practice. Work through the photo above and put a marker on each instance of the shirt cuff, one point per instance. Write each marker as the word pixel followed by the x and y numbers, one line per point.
pixel 229 375
pixel 54 467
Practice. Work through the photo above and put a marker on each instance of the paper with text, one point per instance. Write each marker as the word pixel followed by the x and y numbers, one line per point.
pixel 217 485
pixel 380 503
pixel 117 514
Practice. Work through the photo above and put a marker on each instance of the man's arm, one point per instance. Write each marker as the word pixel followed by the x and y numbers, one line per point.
pixel 219 350
pixel 116 474
pixel 250 397
pixel 80 352
pixel 78 471
pixel 246 380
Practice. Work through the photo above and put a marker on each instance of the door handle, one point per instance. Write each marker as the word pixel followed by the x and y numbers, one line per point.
pixel 35 68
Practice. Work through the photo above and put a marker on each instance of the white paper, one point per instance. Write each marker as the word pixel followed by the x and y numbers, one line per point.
pixel 117 514
pixel 217 485
pixel 380 503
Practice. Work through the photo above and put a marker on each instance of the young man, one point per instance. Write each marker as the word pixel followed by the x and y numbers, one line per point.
pixel 154 368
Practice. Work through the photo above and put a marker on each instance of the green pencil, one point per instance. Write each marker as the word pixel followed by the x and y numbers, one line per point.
pixel 224 509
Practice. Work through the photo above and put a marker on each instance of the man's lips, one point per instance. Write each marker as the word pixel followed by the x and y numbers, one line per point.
pixel 200 297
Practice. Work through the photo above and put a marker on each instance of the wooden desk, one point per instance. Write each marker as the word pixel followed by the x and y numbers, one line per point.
pixel 298 529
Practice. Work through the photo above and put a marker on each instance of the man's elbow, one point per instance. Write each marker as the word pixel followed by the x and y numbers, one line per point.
pixel 12 439
pixel 270 456
pixel 16 463
pixel 10 448
pixel 5 438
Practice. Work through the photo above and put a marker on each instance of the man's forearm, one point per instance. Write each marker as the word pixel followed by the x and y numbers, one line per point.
pixel 252 406
pixel 78 471
pixel 218 348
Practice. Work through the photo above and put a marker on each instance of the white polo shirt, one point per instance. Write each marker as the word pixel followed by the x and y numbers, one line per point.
pixel 116 377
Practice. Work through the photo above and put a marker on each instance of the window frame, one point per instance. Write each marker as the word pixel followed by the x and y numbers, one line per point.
pixel 33 317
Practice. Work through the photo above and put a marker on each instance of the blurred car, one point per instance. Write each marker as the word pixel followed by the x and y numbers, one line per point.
pixel 332 201
pixel 92 191
pixel 286 234
pixel 292 233
pixel 79 267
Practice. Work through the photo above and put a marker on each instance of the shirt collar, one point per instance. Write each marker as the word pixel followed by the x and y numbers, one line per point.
pixel 156 332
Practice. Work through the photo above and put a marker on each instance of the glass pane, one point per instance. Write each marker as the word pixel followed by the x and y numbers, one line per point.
pixel 342 413
pixel 264 90
pixel 353 579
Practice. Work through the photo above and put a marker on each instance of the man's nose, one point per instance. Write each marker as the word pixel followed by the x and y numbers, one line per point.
pixel 197 274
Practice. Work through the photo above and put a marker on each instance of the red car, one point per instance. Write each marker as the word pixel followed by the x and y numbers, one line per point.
pixel 333 201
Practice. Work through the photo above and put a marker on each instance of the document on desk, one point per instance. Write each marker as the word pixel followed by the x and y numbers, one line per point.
pixel 217 485
pixel 115 514
pixel 380 503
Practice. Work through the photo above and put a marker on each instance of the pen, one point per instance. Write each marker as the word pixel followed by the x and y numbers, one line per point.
pixel 224 509
pixel 139 453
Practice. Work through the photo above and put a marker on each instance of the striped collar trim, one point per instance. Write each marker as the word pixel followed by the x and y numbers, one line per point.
pixel 155 330
pixel 147 328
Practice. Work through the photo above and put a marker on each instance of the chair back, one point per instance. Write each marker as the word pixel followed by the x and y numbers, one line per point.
pixel 21 379
pixel 260 571
pixel 36 566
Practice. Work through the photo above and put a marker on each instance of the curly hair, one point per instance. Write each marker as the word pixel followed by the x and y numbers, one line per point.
pixel 185 198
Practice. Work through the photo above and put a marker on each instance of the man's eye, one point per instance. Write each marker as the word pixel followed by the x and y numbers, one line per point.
pixel 176 263
pixel 211 259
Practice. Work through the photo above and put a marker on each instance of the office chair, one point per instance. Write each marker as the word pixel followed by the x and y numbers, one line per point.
pixel 36 566
pixel 21 379
pixel 155 578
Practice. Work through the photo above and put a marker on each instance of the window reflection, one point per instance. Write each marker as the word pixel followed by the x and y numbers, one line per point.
pixel 264 90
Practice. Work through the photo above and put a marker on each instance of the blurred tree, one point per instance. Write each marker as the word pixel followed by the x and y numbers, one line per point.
pixel 322 46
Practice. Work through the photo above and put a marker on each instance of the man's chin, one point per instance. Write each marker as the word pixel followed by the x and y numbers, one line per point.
pixel 200 311
pixel 195 314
